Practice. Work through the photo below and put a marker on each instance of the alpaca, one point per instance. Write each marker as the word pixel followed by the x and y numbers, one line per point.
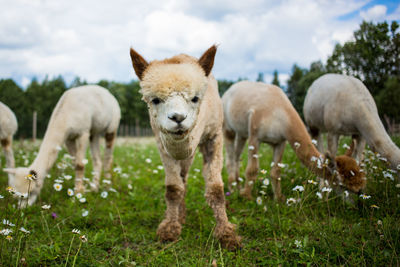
pixel 8 127
pixel 342 105
pixel 82 114
pixel 185 113
pixel 263 113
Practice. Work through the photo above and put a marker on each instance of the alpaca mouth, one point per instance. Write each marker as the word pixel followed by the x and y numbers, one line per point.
pixel 179 133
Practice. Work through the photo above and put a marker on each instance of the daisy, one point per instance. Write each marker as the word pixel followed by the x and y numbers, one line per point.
pixel 314 142
pixel 104 194
pixel 46 207
pixel 31 177
pixel 263 171
pixel 298 188
pixel 312 182
pixel 326 189
pixel 85 213
pixel 85 161
pixel 346 146
pixel 130 187
pixel 83 238
pixel 281 165
pixel 290 201
pixel 9 238
pixel 78 195
pixel 148 160
pixel 251 147
pixel 296 145
pixel 240 179
pixel 7 222
pixel 319 195
pixel 105 181
pixel 259 200
pixel 82 200
pixel 161 168
pixel 22 229
pixel 67 177
pixel 255 156
pixel 1 196
pixel 266 181
pixel 6 231
pixel 155 171
pixel 57 186
pixel 10 190
pixel 70 192
pixel 298 243
pixel 76 231
pixel 364 196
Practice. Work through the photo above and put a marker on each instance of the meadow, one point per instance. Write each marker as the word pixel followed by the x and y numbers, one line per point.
pixel 117 225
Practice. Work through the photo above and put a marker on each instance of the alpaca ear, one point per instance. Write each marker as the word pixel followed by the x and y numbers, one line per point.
pixel 10 170
pixel 139 63
pixel 206 61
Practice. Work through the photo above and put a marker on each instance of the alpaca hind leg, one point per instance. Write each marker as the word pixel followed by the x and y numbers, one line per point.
pixel 276 171
pixel 252 167
pixel 359 149
pixel 212 165
pixel 81 146
pixel 8 151
pixel 108 153
pixel 333 144
pixel 229 140
pixel 96 159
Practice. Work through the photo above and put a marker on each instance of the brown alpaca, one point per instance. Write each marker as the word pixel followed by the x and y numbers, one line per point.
pixel 185 113
pixel 263 113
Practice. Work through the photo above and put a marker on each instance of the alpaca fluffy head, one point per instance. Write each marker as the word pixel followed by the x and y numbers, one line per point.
pixel 173 89
pixel 18 180
pixel 350 174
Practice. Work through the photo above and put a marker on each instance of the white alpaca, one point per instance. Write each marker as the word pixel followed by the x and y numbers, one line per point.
pixel 263 113
pixel 185 113
pixel 342 105
pixel 8 127
pixel 81 115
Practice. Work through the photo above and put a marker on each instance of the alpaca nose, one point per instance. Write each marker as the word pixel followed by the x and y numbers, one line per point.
pixel 177 117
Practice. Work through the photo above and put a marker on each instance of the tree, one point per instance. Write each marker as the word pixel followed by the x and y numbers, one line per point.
pixel 275 80
pixel 260 77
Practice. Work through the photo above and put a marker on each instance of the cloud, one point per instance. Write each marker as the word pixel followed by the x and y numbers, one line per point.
pixel 375 13
pixel 91 39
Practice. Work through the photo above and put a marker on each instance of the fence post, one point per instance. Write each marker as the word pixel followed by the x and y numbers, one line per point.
pixel 34 126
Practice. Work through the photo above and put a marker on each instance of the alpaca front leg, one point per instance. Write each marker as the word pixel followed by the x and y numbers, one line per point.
pixel 81 146
pixel 229 140
pixel 276 171
pixel 224 231
pixel 252 168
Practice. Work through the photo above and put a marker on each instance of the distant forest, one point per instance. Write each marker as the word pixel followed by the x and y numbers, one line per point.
pixel 372 55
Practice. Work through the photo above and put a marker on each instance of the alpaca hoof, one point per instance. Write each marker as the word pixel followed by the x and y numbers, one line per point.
pixel 94 187
pixel 169 230
pixel 226 234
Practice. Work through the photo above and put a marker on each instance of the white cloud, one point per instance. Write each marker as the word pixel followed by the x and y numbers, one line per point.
pixel 91 39
pixel 375 13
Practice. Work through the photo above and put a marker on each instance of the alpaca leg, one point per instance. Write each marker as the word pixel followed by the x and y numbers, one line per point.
pixel 8 152
pixel 276 171
pixel 229 140
pixel 185 166
pixel 71 147
pixel 108 153
pixel 212 160
pixel 96 159
pixel 239 145
pixel 170 228
pixel 252 167
pixel 333 143
pixel 318 136
pixel 81 146
pixel 360 146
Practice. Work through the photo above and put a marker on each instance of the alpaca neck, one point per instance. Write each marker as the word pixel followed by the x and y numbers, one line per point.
pixel 177 149
pixel 372 129
pixel 48 152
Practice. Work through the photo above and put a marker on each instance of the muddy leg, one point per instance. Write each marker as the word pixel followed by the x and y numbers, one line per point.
pixel 212 156
pixel 108 153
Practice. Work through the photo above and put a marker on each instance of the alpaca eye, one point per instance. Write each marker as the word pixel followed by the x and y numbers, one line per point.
pixel 156 101
pixel 195 99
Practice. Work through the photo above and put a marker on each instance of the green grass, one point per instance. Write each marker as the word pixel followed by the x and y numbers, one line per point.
pixel 121 228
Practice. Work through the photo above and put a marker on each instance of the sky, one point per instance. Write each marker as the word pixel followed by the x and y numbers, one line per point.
pixel 90 39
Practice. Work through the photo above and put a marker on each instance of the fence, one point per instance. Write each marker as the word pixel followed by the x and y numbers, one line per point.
pixel 133 130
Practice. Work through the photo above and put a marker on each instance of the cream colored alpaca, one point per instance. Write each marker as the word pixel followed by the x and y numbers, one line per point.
pixel 263 113
pixel 82 114
pixel 342 105
pixel 8 127
pixel 186 113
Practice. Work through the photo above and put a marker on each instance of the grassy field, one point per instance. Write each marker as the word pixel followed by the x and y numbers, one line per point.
pixel 119 222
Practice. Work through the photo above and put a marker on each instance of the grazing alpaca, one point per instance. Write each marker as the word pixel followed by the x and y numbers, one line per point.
pixel 342 105
pixel 8 127
pixel 82 114
pixel 185 113
pixel 263 113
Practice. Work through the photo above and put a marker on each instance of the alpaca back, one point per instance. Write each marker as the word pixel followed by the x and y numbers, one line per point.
pixel 8 122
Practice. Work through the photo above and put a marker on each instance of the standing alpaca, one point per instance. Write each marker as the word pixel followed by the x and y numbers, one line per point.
pixel 263 113
pixel 340 104
pixel 8 127
pixel 82 114
pixel 185 113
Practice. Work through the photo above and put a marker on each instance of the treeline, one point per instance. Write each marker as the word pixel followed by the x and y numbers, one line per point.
pixel 373 55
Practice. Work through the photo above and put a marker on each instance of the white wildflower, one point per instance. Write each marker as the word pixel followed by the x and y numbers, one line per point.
pixel 272 164
pixel 259 200
pixel 1 196
pixel 313 158
pixel 281 165
pixel 85 161
pixel 6 231
pixel 104 194
pixel 59 148
pixel 266 181
pixel 296 145
pixel 105 181
pixel 388 175
pixel 7 222
pixel 117 170
pixel 364 196
pixel 250 183
pixel 379 222
pixel 398 167
pixel 130 187
pixel 160 167
pixel 314 142
pixel 155 171
pixel 346 193
pixel 240 179
pixel 262 192
pixel 291 201
pixel 197 170
pixel 58 181
pixel 57 186
pixel 251 147
pixel 312 182
pixel 255 156
pixel 234 183
pixel 85 213
pixel 346 146
pixel 352 173
pixel 46 207
pixel 326 189
pixel 148 160
pixel 76 231
pixel 82 200
pixel 319 195
pixel 78 195
pixel 22 229
pixel 67 177
pixel 70 192
pixel 263 171
pixel 298 243
pixel 298 188
pixel 112 190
